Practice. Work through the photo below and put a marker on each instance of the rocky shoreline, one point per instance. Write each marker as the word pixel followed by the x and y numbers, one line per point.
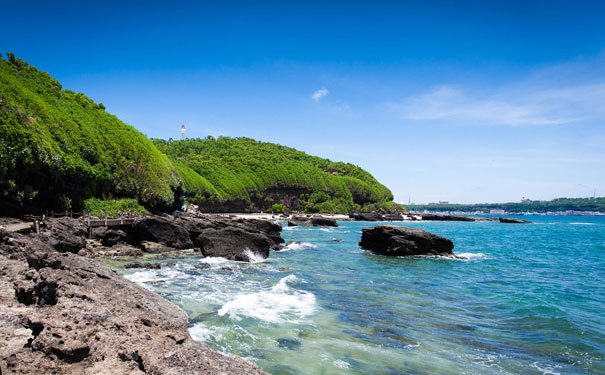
pixel 64 313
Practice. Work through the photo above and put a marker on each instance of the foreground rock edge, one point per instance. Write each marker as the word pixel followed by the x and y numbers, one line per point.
pixel 66 314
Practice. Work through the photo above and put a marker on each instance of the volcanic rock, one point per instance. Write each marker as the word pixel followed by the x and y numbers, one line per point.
pixel 403 241
pixel 510 220
pixel 233 243
pixel 164 231
pixel 65 314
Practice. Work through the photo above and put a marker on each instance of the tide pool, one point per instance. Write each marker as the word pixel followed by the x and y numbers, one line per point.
pixel 526 299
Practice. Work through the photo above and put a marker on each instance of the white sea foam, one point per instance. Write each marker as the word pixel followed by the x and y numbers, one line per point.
pixel 215 261
pixel 545 369
pixel 341 364
pixel 279 304
pixel 201 332
pixel 145 276
pixel 254 257
pixel 472 256
pixel 300 246
pixel 581 223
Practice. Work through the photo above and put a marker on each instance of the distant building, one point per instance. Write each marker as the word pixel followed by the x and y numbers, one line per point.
pixel 526 200
pixel 443 202
pixel 497 212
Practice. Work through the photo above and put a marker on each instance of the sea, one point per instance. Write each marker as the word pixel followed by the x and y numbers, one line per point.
pixel 523 299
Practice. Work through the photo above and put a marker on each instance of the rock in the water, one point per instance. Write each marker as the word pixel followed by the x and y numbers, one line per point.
pixel 316 221
pixel 510 220
pixel 154 247
pixel 337 240
pixel 202 266
pixel 403 241
pixel 162 230
pixel 234 243
pixel 153 266
pixel 323 222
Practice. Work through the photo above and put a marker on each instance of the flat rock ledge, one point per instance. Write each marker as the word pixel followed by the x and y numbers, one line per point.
pixel 391 240
pixel 61 313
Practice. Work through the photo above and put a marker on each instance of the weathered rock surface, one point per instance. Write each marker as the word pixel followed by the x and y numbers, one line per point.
pixel 404 241
pixel 66 234
pixel 65 314
pixel 433 217
pixel 164 231
pixel 234 243
pixel 314 221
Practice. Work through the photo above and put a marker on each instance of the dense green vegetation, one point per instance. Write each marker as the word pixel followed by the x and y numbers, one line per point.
pixel 559 204
pixel 60 150
pixel 258 175
pixel 113 207
pixel 58 147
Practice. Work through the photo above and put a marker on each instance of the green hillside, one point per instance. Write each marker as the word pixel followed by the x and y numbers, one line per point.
pixel 256 175
pixel 58 147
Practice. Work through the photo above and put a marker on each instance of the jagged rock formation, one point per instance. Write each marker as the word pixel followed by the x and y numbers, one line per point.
pixel 393 240
pixel 65 314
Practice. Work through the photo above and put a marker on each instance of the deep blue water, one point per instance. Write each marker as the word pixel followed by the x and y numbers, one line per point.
pixel 529 299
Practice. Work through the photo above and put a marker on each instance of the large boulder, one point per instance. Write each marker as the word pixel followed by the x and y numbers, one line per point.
pixel 234 243
pixel 315 221
pixel 162 230
pixel 394 240
pixel 66 234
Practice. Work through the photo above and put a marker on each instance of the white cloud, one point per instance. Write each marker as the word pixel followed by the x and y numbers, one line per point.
pixel 543 101
pixel 317 95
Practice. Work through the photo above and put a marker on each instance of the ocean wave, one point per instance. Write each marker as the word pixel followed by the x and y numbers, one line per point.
pixel 254 257
pixel 299 246
pixel 279 304
pixel 472 256
pixel 213 261
pixel 581 223
pixel 146 276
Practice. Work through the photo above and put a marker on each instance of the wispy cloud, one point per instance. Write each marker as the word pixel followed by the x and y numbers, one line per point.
pixel 523 103
pixel 317 95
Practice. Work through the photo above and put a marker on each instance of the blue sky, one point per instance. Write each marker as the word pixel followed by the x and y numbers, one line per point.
pixel 466 101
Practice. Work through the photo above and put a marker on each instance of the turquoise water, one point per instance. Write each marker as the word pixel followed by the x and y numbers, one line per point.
pixel 528 299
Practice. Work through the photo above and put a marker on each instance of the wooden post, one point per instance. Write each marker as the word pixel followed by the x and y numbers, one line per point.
pixel 37 226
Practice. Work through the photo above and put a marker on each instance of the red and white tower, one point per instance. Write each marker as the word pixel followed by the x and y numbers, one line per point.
pixel 182 131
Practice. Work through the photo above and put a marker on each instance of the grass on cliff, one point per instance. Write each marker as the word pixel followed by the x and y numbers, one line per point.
pixel 113 207
pixel 245 169
pixel 59 146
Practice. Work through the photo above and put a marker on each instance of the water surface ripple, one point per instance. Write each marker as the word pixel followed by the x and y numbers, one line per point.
pixel 528 299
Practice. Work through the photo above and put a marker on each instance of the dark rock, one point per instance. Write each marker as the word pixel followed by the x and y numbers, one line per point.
pixel 510 220
pixel 433 217
pixel 233 243
pixel 319 221
pixel 112 237
pixel 170 265
pixel 403 241
pixel 226 268
pixel 337 240
pixel 323 222
pixel 153 266
pixel 66 314
pixel 67 234
pixel 290 344
pixel 284 269
pixel 164 231
pixel 202 266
